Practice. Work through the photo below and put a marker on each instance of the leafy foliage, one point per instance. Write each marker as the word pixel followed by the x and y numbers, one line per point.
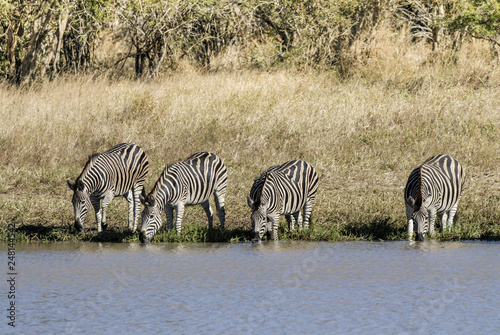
pixel 479 18
pixel 48 37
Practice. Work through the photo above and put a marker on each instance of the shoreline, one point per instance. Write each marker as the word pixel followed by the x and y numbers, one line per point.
pixel 198 233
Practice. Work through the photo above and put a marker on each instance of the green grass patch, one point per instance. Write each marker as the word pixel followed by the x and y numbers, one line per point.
pixel 190 233
pixel 383 229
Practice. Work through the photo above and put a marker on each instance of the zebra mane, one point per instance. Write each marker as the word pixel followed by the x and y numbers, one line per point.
pixel 259 195
pixel 154 191
pixel 418 200
pixel 159 183
pixel 90 163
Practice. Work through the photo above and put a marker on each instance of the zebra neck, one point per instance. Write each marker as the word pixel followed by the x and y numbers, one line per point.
pixel 269 194
pixel 418 198
pixel 161 199
pixel 426 185
pixel 164 192
pixel 89 166
pixel 92 186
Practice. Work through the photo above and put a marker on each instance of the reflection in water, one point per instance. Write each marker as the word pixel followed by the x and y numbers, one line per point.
pixel 429 245
pixel 270 287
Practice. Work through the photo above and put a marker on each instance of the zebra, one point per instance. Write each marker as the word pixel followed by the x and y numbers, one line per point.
pixel 190 182
pixel 283 189
pixel 120 171
pixel 433 188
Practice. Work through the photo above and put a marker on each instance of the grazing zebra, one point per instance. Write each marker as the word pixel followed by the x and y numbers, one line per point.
pixel 433 188
pixel 119 171
pixel 283 189
pixel 190 182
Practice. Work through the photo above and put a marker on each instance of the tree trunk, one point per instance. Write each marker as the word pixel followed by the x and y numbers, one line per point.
pixel 39 33
pixel 437 28
pixel 12 36
pixel 54 55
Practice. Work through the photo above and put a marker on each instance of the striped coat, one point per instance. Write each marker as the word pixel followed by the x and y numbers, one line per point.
pixel 120 171
pixel 284 189
pixel 435 187
pixel 190 182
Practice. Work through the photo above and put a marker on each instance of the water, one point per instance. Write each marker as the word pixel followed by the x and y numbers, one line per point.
pixel 270 288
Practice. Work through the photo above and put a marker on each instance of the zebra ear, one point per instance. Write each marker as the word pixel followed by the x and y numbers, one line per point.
pixel 71 185
pixel 142 198
pixel 79 185
pixel 150 201
pixel 250 203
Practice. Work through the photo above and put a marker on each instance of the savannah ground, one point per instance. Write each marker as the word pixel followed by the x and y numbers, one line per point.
pixel 364 134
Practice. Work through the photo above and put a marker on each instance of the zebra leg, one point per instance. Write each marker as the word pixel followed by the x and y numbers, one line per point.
pixel 432 222
pixel 208 209
pixel 179 212
pixel 298 219
pixel 137 190
pixel 291 221
pixel 275 222
pixel 130 199
pixel 169 211
pixel 96 203
pixel 444 221
pixel 452 212
pixel 307 213
pixel 105 202
pixel 409 212
pixel 269 227
pixel 220 196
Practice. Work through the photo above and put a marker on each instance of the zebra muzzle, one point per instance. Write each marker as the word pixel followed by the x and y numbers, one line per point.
pixel 78 226
pixel 143 237
pixel 420 237
pixel 256 238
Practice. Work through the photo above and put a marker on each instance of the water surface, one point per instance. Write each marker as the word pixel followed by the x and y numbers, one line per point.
pixel 268 288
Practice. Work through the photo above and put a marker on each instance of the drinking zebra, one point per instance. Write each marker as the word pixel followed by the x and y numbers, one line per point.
pixel 190 182
pixel 283 189
pixel 120 171
pixel 433 188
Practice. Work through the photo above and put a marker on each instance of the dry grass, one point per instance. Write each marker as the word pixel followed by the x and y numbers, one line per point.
pixel 364 135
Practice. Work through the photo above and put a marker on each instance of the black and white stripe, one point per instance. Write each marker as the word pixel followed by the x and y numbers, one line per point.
pixel 433 188
pixel 190 182
pixel 120 171
pixel 283 189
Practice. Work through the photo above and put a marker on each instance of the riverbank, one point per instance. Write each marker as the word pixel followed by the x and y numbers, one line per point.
pixel 363 138
pixel 384 230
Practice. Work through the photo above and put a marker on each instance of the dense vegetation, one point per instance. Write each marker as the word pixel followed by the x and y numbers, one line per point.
pixel 147 37
pixel 363 90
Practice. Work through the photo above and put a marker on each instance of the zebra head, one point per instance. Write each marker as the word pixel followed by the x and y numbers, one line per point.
pixel 151 218
pixel 259 220
pixel 420 219
pixel 421 223
pixel 81 202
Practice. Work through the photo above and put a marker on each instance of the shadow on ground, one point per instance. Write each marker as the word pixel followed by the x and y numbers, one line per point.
pixel 377 229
